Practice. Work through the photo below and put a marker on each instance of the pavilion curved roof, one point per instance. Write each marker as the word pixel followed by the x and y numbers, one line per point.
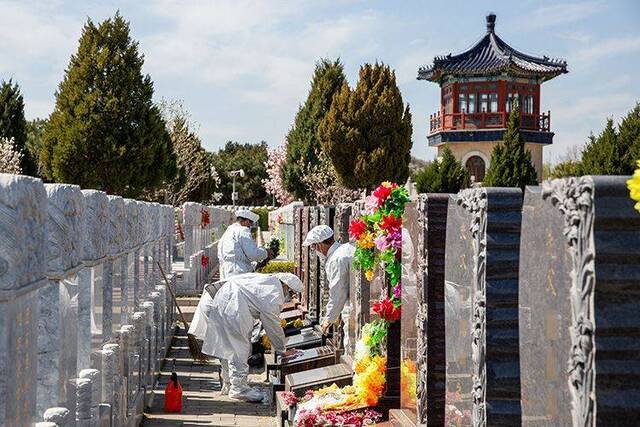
pixel 489 56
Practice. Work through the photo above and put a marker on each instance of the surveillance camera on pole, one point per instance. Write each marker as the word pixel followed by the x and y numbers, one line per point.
pixel 234 194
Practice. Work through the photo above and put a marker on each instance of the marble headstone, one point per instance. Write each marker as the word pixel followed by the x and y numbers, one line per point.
pixel 481 305
pixel 579 328
pixel 23 210
pixel 58 301
pixel 90 279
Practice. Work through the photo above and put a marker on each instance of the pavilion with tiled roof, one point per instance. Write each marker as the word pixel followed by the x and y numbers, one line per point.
pixel 479 87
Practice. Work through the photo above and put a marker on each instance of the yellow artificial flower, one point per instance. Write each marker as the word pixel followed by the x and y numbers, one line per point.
pixel 634 187
pixel 365 339
pixel 298 323
pixel 387 184
pixel 369 275
pixel 266 343
pixel 366 241
pixel 283 323
pixel 370 383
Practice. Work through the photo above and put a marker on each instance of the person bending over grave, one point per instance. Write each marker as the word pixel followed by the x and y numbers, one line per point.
pixel 225 317
pixel 237 249
pixel 337 264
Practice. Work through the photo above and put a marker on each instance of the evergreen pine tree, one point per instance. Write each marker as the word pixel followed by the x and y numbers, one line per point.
pixel 510 161
pixel 13 125
pixel 565 169
pixel 367 131
pixel 603 155
pixel 302 145
pixel 105 131
pixel 35 132
pixel 444 176
pixel 629 137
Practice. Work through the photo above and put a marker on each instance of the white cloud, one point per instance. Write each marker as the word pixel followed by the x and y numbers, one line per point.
pixel 608 48
pixel 559 14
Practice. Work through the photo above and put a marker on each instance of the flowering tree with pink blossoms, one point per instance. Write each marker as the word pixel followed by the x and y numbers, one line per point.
pixel 321 180
pixel 10 156
pixel 274 184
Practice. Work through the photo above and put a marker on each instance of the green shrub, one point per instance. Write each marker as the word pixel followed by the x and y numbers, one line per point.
pixel 278 267
pixel 263 213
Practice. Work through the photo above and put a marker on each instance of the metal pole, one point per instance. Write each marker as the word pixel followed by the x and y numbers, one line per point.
pixel 233 192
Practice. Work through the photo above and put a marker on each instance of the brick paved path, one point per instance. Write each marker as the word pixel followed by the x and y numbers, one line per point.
pixel 202 404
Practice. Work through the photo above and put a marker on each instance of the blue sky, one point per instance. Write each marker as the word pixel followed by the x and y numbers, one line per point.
pixel 243 67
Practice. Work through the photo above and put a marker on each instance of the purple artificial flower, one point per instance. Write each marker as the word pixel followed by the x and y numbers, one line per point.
pixel 395 240
pixel 397 291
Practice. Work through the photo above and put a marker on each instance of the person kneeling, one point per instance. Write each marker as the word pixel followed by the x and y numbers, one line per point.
pixel 225 322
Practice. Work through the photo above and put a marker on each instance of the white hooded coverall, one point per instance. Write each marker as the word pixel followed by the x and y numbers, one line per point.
pixel 338 268
pixel 224 323
pixel 237 250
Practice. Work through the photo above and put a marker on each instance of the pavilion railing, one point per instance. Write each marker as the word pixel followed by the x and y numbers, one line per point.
pixel 486 120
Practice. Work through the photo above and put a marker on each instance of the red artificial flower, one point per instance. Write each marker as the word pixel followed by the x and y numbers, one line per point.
pixel 205 261
pixel 382 193
pixel 205 220
pixel 356 228
pixel 386 310
pixel 391 223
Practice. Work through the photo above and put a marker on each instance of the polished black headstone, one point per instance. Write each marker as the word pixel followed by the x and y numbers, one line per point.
pixel 423 329
pixel 297 236
pixel 314 270
pixel 579 299
pixel 327 214
pixel 305 258
pixel 481 304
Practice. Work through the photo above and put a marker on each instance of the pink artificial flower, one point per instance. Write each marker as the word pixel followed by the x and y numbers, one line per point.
pixel 382 243
pixel 290 399
pixel 371 203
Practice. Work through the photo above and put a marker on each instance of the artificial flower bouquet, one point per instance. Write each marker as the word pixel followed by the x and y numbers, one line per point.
pixel 378 237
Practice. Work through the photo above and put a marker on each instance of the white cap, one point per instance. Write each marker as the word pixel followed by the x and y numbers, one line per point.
pixel 291 280
pixel 247 214
pixel 318 234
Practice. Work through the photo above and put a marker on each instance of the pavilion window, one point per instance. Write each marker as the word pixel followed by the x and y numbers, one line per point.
pixel 484 102
pixel 471 104
pixel 462 103
pixel 493 106
pixel 528 104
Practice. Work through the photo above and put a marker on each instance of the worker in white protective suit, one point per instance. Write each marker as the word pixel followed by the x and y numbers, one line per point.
pixel 237 249
pixel 224 320
pixel 337 264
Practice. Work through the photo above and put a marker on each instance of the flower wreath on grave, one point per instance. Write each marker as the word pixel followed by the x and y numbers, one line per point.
pixel 378 237
pixel 204 218
pixel 634 187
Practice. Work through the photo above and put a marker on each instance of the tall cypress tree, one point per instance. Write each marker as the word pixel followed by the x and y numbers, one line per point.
pixel 444 176
pixel 603 155
pixel 105 131
pixel 13 124
pixel 303 147
pixel 510 161
pixel 629 137
pixel 367 132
